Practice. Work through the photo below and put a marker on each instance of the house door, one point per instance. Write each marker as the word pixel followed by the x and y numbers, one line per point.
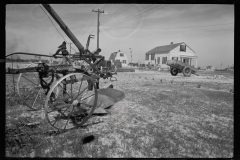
pixel 158 60
pixel 186 60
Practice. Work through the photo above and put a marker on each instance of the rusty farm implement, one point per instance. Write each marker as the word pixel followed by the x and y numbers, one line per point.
pixel 69 93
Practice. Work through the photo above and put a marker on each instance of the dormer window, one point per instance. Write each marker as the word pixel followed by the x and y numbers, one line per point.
pixel 121 55
pixel 182 48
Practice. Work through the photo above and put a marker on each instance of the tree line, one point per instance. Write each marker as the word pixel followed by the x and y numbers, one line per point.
pixel 29 60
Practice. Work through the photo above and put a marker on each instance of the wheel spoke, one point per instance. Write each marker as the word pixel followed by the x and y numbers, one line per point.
pixel 36 97
pixel 29 80
pixel 35 76
pixel 63 90
pixel 59 107
pixel 68 118
pixel 86 104
pixel 79 88
pixel 30 93
pixel 87 97
pixel 67 109
pixel 82 92
pixel 71 91
pixel 55 121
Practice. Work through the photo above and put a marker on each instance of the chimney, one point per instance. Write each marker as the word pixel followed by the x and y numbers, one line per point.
pixel 171 43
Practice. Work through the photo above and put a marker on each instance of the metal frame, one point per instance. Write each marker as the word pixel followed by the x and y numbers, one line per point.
pixel 67 66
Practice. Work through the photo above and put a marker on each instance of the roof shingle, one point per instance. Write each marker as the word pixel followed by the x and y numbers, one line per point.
pixel 112 56
pixel 161 49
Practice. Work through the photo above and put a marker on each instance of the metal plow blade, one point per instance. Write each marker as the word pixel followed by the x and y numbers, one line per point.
pixel 106 98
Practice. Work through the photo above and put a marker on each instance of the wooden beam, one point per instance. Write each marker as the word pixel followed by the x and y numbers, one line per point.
pixel 64 27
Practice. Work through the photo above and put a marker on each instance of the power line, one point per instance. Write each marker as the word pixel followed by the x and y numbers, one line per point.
pixel 110 15
pixel 89 28
pixel 146 9
pixel 174 28
pixel 87 20
pixel 139 16
pixel 116 13
pixel 57 29
pixel 125 18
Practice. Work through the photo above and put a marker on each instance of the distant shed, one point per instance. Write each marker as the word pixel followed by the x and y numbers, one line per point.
pixel 119 56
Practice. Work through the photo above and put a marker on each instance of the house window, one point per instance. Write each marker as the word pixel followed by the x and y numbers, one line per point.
pixel 147 57
pixel 164 60
pixel 174 58
pixel 183 48
pixel 124 61
pixel 121 55
pixel 158 60
pixel 152 56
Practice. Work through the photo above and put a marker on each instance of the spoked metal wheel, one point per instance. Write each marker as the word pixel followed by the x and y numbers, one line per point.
pixel 29 89
pixel 70 103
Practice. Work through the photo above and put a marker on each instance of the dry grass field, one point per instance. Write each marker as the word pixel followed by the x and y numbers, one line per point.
pixel 162 116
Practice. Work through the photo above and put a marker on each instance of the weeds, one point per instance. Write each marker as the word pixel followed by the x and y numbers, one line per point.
pixel 20 137
pixel 157 120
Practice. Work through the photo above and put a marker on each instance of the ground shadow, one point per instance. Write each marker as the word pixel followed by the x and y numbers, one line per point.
pixel 88 139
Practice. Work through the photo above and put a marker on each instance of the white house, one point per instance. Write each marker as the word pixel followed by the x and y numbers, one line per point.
pixel 121 56
pixel 180 51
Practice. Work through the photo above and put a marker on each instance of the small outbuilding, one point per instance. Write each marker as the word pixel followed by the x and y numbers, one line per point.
pixel 158 56
pixel 119 56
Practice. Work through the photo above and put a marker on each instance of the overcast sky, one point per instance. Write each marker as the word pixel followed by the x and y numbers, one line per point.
pixel 207 28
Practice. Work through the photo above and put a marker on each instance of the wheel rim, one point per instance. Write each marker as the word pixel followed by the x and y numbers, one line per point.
pixel 29 89
pixel 174 71
pixel 66 108
pixel 187 70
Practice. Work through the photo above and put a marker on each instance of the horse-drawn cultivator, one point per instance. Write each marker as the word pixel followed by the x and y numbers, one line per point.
pixel 68 92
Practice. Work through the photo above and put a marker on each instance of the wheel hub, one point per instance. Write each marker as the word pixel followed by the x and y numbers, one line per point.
pixel 75 102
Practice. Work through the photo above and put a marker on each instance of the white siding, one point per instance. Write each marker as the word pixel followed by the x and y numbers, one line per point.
pixel 149 60
pixel 176 51
pixel 161 57
pixel 122 58
pixel 173 53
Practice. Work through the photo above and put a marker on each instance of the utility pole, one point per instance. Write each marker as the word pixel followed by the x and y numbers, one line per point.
pixel 131 54
pixel 70 47
pixel 98 24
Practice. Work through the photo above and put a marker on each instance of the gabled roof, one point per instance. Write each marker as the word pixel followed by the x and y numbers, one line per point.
pixel 166 48
pixel 113 56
